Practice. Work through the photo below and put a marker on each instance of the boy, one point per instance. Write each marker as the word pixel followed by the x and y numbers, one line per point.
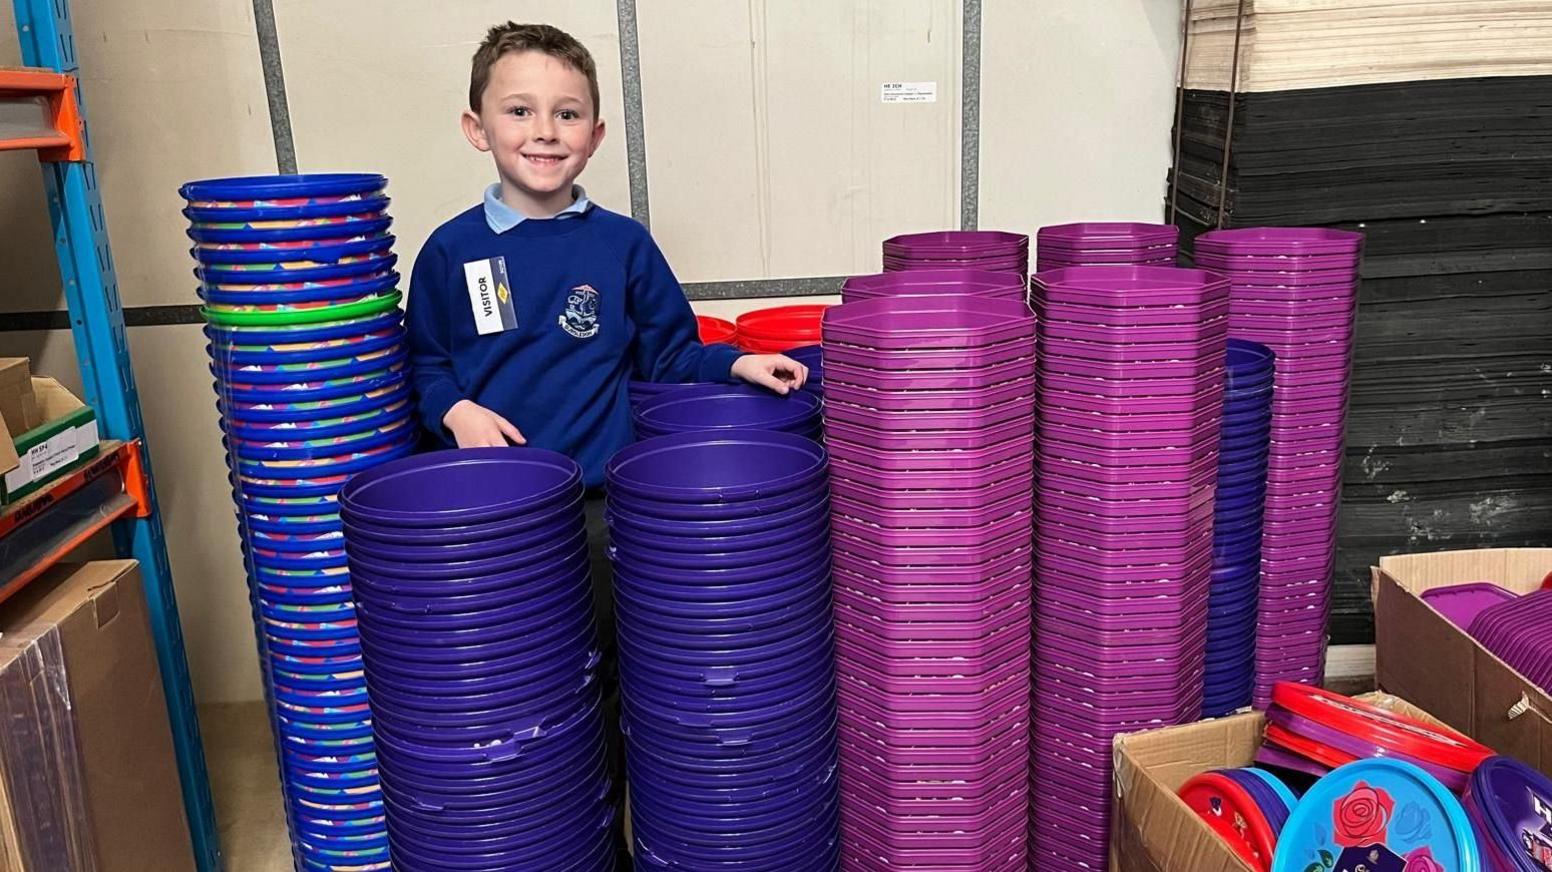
pixel 529 313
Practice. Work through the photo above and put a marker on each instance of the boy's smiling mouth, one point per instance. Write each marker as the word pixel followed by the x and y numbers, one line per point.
pixel 544 160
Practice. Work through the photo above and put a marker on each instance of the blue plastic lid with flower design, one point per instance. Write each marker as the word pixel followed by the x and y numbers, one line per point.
pixel 1378 816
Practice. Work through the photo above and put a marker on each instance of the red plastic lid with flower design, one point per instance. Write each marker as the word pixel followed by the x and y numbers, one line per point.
pixel 1378 816
pixel 1437 745
pixel 1233 814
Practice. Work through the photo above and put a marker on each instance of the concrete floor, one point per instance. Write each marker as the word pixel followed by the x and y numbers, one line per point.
pixel 240 753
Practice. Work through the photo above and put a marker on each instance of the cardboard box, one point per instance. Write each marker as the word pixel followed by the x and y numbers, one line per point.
pixel 1151 829
pixel 88 780
pixel 1420 655
pixel 18 406
pixel 66 439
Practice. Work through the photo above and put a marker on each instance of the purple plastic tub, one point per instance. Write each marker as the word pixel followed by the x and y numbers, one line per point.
pixel 726 407
pixel 469 486
pixel 711 468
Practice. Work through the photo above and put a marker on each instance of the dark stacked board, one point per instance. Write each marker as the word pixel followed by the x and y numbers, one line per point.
pixel 1449 439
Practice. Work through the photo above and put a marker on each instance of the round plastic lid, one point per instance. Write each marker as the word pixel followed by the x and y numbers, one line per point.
pixel 1233 814
pixel 1379 815
pixel 1438 745
pixel 240 188
pixel 460 487
pixel 1513 807
pixel 717 467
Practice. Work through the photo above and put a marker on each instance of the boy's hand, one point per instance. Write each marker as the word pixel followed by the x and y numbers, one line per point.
pixel 474 426
pixel 774 371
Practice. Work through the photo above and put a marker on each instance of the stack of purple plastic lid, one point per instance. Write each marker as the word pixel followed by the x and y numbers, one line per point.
pixel 475 610
pixel 934 282
pixel 1239 506
pixel 1106 243
pixel 1294 290
pixel 1516 630
pixel 1131 401
pixel 990 250
pixel 928 416
pixel 722 599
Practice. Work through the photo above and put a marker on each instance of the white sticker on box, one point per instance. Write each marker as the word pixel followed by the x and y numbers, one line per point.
pixel 910 92
pixel 86 437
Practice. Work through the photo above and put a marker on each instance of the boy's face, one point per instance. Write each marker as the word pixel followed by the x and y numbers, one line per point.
pixel 537 119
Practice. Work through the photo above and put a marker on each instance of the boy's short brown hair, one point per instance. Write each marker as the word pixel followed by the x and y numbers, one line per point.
pixel 509 38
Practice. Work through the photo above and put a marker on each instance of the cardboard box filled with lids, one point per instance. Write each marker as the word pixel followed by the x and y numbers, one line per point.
pixel 1421 655
pixel 1151 829
pixel 88 779
pixel 48 431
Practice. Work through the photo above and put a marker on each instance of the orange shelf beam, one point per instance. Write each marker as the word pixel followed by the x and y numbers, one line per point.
pixel 61 118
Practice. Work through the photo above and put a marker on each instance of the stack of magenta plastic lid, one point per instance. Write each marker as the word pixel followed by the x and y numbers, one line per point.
pixel 1510 805
pixel 928 418
pixel 1379 814
pixel 989 250
pixel 1247 808
pixel 721 557
pixel 689 408
pixel 1106 243
pixel 1237 513
pixel 1128 422
pixel 477 635
pixel 307 350
pixel 778 329
pixel 1515 629
pixel 934 282
pixel 1294 290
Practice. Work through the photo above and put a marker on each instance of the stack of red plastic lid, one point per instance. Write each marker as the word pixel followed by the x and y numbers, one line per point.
pixel 1106 243
pixel 926 282
pixel 779 328
pixel 1247 808
pixel 714 330
pixel 1313 730
pixel 928 417
pixel 1128 416
pixel 1519 631
pixel 1294 290
pixel 991 250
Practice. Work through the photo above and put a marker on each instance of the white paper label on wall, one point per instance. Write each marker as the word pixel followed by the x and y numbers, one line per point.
pixel 910 92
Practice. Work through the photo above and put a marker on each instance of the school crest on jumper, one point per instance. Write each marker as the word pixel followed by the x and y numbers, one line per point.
pixel 581 316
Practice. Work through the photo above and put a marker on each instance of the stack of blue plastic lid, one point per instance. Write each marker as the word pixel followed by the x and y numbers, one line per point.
pixel 477 631
pixel 307 349
pixel 722 597
pixel 1240 506
pixel 811 356
pixel 691 408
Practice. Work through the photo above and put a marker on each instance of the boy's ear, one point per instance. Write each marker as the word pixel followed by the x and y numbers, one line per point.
pixel 474 131
pixel 598 138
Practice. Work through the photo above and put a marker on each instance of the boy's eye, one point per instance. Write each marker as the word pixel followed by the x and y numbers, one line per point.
pixel 520 111
pixel 569 115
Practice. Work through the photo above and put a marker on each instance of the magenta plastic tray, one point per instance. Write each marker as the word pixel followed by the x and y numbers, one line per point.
pixel 968 649
pixel 1069 604
pixel 1128 316
pixel 1138 386
pixel 1049 500
pixel 849 654
pixel 1103 635
pixel 1461 603
pixel 1192 475
pixel 1336 304
pixel 1282 241
pixel 929 379
pixel 859 737
pixel 1208 402
pixel 943 580
pixel 985 691
pixel 843 469
pixel 1016 392
pixel 862 596
pixel 928 359
pixel 1203 355
pixel 1169 562
pixel 896 422
pixel 1184 368
pixel 1190 333
pixel 988 851
pixel 1021 428
pixel 928 322
pixel 1106 233
pixel 1129 458
pixel 1180 523
pixel 866 800
pixel 1059 526
pixel 1130 285
pixel 868 706
pixel 949 597
pixel 975 744
pixel 904 629
pixel 1051 432
pixel 955 537
pixel 1182 496
pixel 914 519
pixel 897 818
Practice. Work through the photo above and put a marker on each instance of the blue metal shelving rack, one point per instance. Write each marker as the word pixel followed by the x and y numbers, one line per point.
pixel 97 324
